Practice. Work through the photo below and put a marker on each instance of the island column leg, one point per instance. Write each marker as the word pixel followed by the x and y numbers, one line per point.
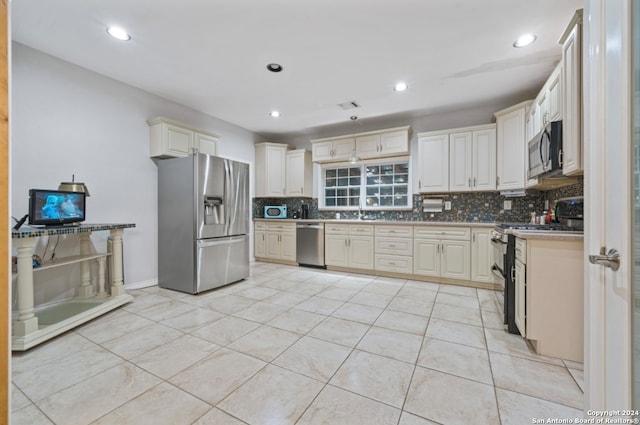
pixel 101 292
pixel 85 290
pixel 117 283
pixel 27 321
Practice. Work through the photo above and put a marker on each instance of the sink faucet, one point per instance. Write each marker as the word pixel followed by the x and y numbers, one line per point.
pixel 360 215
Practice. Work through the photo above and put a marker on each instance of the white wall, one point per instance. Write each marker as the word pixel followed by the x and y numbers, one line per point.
pixel 67 120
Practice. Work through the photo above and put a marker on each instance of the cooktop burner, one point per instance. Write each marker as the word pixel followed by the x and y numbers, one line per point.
pixel 547 227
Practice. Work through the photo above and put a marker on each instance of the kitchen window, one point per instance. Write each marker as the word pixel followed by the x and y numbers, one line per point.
pixel 372 185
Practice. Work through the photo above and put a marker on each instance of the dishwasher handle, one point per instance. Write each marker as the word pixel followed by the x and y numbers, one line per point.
pixel 309 226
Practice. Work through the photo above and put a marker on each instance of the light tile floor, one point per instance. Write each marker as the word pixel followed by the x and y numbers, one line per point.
pixel 296 345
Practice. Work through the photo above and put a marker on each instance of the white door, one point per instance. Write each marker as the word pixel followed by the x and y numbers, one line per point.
pixel 361 252
pixel 610 201
pixel 433 161
pixel 484 159
pixel 294 173
pixel 336 250
pixel 460 163
pixel 426 257
pixel 455 262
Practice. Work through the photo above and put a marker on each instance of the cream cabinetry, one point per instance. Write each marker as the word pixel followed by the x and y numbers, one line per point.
pixel 472 159
pixel 442 252
pixel 394 248
pixel 550 295
pixel 372 144
pixel 334 150
pixel 298 173
pixel 259 240
pixel 571 40
pixel 433 162
pixel 481 255
pixel 280 241
pixel 512 146
pixel 169 138
pixel 270 169
pixel 349 245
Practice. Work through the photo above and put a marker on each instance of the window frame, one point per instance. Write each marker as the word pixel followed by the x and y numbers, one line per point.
pixel 363 164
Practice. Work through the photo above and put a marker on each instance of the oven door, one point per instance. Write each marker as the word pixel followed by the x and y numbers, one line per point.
pixel 497 269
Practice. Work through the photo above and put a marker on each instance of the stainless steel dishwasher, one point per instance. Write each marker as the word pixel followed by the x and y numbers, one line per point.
pixel 310 244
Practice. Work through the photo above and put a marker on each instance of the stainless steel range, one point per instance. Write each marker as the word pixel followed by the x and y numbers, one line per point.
pixel 504 245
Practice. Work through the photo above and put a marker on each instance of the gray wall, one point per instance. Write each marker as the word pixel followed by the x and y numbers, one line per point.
pixel 67 120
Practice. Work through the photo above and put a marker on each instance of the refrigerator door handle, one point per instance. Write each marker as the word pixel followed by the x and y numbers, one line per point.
pixel 220 241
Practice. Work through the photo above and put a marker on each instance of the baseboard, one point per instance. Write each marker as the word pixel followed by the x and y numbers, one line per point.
pixel 142 284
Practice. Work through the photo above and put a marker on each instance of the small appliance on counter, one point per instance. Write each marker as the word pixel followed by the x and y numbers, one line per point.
pixel 570 212
pixel 304 211
pixel 275 211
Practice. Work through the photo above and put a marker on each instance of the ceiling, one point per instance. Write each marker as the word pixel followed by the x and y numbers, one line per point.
pixel 211 55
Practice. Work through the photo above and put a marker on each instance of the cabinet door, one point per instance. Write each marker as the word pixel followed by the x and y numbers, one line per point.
pixel 179 140
pixel 273 247
pixel 460 162
pixel 368 146
pixel 335 248
pixel 288 242
pixel 572 103
pixel 520 295
pixel 455 259
pixel 343 148
pixel 205 144
pixel 433 163
pixel 322 151
pixel 542 108
pixel 426 257
pixel 259 244
pixel 555 95
pixel 511 150
pixel 394 142
pixel 484 159
pixel 275 166
pixel 297 173
pixel 361 252
pixel 481 255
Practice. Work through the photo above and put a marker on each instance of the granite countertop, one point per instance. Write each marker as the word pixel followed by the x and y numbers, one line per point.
pixel 34 232
pixel 385 222
pixel 549 235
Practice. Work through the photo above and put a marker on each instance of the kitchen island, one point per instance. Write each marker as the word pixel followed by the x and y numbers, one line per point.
pixel 33 326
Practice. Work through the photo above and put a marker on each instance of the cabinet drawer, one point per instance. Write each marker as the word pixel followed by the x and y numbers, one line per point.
pixel 336 229
pixel 394 231
pixel 396 246
pixel 281 227
pixel 394 263
pixel 433 232
pixel 521 250
pixel 360 229
pixel 259 225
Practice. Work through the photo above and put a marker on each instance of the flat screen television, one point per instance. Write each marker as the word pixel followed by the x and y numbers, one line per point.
pixel 56 207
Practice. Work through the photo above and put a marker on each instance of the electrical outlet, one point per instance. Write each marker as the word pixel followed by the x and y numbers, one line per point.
pixel 447 205
pixel 507 205
pixel 546 204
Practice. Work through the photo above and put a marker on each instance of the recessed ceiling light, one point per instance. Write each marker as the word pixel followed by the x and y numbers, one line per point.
pixel 274 67
pixel 400 86
pixel 119 33
pixel 274 114
pixel 524 40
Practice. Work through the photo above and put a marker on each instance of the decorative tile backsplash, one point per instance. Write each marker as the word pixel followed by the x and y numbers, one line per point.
pixel 465 207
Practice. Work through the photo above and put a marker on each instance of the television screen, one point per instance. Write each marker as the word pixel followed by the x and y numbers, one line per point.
pixel 55 207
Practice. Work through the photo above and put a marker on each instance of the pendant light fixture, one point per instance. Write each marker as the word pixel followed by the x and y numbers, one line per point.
pixel 353 159
pixel 74 186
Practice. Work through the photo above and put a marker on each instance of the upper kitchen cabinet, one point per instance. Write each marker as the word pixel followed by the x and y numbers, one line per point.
pixel 433 162
pixel 472 159
pixel 571 41
pixel 298 173
pixel 512 145
pixel 379 144
pixel 169 138
pixel 270 169
pixel 333 149
pixel 372 144
pixel 282 172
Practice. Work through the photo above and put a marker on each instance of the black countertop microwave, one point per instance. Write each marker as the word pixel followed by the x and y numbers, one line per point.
pixel 545 152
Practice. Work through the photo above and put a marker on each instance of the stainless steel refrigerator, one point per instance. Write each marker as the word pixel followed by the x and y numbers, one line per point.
pixel 203 222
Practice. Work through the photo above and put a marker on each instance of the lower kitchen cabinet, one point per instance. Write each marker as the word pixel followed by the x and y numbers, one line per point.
pixel 259 240
pixel 520 283
pixel 481 255
pixel 442 252
pixel 280 241
pixel 394 249
pixel 349 245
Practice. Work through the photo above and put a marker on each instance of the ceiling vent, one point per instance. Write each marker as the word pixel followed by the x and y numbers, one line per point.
pixel 348 105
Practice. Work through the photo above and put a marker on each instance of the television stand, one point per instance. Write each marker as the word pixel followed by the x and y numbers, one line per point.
pixel 35 326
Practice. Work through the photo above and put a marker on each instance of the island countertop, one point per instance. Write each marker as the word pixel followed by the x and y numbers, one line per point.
pixel 34 232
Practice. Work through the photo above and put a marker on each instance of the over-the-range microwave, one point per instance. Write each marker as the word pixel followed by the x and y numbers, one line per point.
pixel 545 152
pixel 275 211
